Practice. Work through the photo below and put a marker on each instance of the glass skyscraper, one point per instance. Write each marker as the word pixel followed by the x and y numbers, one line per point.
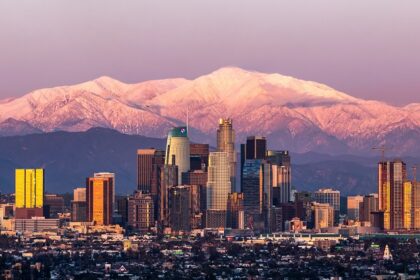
pixel 178 150
pixel 218 189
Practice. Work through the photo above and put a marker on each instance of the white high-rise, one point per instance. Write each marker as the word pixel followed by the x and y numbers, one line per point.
pixel 178 150
pixel 218 189
pixel 226 143
pixel 218 182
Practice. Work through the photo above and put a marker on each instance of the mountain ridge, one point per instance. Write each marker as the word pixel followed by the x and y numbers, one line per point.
pixel 293 114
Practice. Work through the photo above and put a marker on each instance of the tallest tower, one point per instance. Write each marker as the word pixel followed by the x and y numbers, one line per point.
pixel 226 143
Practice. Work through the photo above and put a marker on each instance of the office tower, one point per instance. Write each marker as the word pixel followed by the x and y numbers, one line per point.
pixel 122 208
pixel 108 175
pixel 353 207
pixel 369 205
pixel 323 215
pixel 198 206
pixel 197 179
pixel 235 211
pixel 79 205
pixel 79 194
pixel 282 176
pixel 53 205
pixel 255 148
pixel 99 198
pixel 330 196
pixel 218 188
pixel 303 204
pixel 199 156
pixel 146 160
pixel 168 178
pixel 140 211
pixel 226 143
pixel 407 205
pixel 180 208
pixel 178 150
pixel 29 193
pixel 257 190
pixel 391 178
pixel 416 204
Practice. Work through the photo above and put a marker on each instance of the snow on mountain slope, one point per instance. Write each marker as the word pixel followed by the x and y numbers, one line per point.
pixel 293 114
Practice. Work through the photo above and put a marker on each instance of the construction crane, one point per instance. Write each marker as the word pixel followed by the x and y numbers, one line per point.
pixel 382 149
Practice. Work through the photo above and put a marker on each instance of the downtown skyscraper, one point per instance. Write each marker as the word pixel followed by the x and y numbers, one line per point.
pixel 218 189
pixel 178 150
pixel 99 199
pixel 226 143
pixel 392 199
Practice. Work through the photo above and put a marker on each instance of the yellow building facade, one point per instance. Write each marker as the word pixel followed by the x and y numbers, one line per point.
pixel 29 188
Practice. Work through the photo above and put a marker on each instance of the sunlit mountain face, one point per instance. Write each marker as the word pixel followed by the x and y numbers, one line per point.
pixel 293 114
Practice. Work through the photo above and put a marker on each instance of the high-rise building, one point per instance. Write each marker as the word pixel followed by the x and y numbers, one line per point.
pixel 140 211
pixel 121 208
pixel 168 178
pixel 197 179
pixel 323 215
pixel 353 207
pixel 235 211
pixel 178 150
pixel 218 188
pixel 226 143
pixel 407 205
pixel 257 190
pixel 391 178
pixel 199 156
pixel 416 204
pixel 79 194
pixel 255 148
pixel 108 175
pixel 180 208
pixel 369 205
pixel 99 198
pixel 29 193
pixel 78 205
pixel 53 205
pixel 146 160
pixel 282 176
pixel 330 196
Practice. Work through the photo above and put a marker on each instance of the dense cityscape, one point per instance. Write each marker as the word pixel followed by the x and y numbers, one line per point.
pixel 199 213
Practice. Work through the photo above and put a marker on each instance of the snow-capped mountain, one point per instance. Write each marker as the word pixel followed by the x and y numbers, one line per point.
pixel 293 114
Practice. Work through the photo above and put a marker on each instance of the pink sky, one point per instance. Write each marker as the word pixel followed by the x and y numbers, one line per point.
pixel 369 49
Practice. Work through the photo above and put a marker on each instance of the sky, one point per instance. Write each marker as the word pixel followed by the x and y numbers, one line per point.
pixel 368 49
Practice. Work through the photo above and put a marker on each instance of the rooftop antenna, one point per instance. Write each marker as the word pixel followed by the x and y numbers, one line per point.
pixel 414 168
pixel 188 117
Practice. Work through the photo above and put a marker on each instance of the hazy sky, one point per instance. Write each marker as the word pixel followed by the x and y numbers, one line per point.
pixel 369 49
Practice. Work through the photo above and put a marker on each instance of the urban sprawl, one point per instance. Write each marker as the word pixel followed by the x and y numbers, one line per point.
pixel 202 214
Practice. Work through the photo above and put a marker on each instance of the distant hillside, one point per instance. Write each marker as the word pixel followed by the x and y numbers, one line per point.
pixel 69 157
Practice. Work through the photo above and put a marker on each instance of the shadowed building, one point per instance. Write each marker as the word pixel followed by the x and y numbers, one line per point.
pixel 78 205
pixel 140 211
pixel 180 208
pixel 147 159
pixel 199 156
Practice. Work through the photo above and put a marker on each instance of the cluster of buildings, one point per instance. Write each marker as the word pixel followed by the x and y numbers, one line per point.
pixel 190 186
